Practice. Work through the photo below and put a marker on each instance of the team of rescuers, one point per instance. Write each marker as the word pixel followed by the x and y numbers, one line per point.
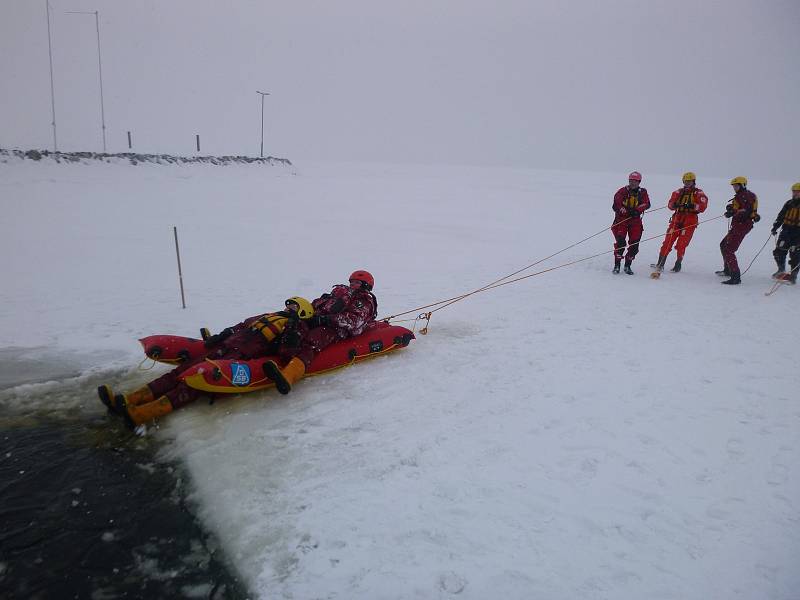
pixel 688 201
pixel 298 333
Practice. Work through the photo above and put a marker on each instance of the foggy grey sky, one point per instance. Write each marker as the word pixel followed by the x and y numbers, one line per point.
pixel 658 86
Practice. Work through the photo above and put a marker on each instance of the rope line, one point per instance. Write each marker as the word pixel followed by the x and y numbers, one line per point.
pixel 449 301
pixel 756 256
pixel 495 283
pixel 580 260
pixel 498 283
pixel 780 282
pixel 140 368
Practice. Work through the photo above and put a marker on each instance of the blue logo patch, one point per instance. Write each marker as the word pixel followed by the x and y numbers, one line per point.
pixel 240 374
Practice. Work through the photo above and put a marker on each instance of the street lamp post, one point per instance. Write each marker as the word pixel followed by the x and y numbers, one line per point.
pixel 262 120
pixel 99 69
pixel 52 88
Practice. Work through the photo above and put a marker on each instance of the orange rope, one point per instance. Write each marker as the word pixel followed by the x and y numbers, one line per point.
pixel 449 301
pixel 779 282
pixel 500 282
pixel 757 253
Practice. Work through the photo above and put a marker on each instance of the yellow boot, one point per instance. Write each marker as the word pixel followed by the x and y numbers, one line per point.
pixel 136 414
pixel 285 377
pixel 143 395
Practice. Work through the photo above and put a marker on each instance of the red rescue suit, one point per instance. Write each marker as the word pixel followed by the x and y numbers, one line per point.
pixel 629 204
pixel 342 314
pixel 277 334
pixel 744 207
pixel 687 202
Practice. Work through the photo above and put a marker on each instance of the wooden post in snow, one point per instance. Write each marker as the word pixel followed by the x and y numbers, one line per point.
pixel 180 273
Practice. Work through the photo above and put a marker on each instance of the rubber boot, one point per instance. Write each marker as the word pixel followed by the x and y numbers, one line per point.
pixel 735 279
pixel 616 266
pixel 286 377
pixel 143 395
pixel 627 268
pixel 137 414
pixel 781 270
pixel 659 264
pixel 677 267
pixel 107 398
pixel 724 273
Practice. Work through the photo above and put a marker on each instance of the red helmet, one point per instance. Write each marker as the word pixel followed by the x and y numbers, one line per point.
pixel 636 176
pixel 364 277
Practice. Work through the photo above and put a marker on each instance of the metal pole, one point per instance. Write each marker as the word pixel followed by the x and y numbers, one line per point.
pixel 52 88
pixel 197 138
pixel 262 126
pixel 99 68
pixel 100 71
pixel 262 120
pixel 180 273
pixel 129 141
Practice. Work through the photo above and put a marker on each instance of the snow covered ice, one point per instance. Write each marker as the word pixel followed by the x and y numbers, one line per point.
pixel 574 435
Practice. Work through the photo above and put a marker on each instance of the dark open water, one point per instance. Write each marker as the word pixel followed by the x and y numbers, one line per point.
pixel 87 512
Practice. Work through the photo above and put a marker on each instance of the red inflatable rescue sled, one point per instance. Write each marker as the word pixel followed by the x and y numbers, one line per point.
pixel 226 376
pixel 172 349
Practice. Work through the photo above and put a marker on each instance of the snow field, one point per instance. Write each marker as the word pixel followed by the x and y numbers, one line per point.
pixel 577 434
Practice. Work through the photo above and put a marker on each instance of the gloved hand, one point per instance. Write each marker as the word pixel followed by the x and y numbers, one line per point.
pixel 632 212
pixel 774 231
pixel 218 338
pixel 689 206
pixel 729 211
pixel 756 218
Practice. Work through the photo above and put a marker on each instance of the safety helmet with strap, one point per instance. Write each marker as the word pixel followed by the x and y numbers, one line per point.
pixel 364 277
pixel 304 308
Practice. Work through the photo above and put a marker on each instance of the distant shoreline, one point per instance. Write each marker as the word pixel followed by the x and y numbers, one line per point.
pixel 135 158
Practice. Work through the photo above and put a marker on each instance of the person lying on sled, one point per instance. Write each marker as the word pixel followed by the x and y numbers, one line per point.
pixel 341 314
pixel 272 334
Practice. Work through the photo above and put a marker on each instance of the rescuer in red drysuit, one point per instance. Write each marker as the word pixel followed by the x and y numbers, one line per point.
pixel 743 213
pixel 629 204
pixel 342 313
pixel 686 202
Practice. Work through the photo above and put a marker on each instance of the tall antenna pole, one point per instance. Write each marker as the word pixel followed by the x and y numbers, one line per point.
pixel 99 68
pixel 100 71
pixel 52 87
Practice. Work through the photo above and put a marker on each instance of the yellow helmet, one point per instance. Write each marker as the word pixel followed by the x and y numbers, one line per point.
pixel 796 187
pixel 740 180
pixel 689 176
pixel 304 308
